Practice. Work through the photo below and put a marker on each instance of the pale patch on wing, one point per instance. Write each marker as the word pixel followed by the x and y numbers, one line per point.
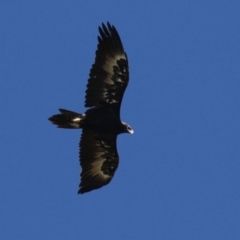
pixel 110 88
pixel 108 66
pixel 96 170
pixel 111 66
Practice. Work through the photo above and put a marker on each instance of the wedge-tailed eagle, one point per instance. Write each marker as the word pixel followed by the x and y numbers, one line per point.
pixel 101 123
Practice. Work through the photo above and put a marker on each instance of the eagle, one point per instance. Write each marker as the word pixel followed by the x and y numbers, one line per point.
pixel 101 123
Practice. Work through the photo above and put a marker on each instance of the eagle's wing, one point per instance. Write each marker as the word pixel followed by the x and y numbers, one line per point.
pixel 98 159
pixel 109 75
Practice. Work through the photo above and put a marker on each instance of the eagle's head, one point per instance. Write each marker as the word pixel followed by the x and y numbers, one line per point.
pixel 127 128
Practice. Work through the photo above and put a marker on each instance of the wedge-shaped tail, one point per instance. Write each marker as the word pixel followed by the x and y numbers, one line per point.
pixel 67 119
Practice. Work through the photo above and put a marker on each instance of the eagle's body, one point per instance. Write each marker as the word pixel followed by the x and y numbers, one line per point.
pixel 101 123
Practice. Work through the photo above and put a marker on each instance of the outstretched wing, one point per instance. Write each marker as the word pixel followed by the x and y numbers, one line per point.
pixel 109 75
pixel 98 159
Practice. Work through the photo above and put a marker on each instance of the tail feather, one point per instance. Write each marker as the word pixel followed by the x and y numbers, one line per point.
pixel 67 119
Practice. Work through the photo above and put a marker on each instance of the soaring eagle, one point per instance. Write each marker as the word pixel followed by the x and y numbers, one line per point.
pixel 101 122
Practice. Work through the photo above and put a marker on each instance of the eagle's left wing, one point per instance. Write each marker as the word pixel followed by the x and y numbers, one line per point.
pixel 98 158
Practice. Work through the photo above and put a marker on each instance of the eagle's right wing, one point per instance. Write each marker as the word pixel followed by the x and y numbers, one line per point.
pixel 109 75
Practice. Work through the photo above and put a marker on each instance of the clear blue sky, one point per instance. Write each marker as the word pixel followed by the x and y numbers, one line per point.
pixel 178 177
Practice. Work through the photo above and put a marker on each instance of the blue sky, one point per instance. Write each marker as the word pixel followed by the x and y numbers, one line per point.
pixel 178 176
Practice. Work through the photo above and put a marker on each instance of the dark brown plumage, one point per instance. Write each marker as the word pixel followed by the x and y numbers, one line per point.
pixel 101 123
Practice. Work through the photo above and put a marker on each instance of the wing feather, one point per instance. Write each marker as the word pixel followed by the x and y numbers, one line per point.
pixel 98 158
pixel 109 74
